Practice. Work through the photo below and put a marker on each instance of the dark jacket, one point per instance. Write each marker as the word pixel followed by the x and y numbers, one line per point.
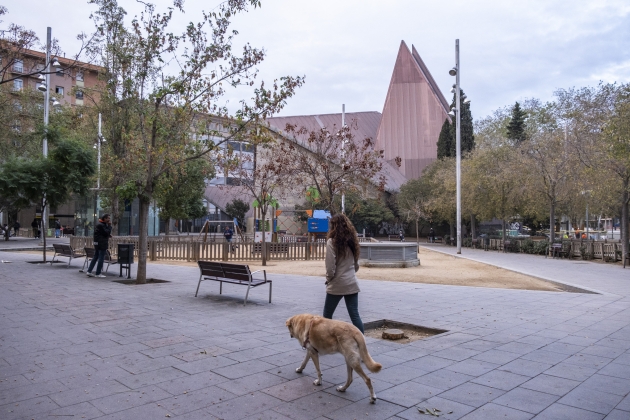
pixel 102 233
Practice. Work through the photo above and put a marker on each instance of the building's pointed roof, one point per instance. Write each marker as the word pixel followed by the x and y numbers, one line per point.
pixel 413 114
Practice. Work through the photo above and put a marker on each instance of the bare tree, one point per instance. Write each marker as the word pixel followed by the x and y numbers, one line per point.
pixel 333 161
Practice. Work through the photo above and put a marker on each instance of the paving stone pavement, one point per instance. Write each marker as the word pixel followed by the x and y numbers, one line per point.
pixel 78 347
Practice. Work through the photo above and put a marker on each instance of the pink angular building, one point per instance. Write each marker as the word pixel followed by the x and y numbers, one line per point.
pixel 409 125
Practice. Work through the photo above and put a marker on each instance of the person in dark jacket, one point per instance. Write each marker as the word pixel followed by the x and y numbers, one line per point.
pixel 16 228
pixel 102 233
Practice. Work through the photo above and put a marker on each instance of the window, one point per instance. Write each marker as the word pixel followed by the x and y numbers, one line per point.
pixel 79 76
pixel 59 90
pixel 79 94
pixel 18 84
pixel 18 66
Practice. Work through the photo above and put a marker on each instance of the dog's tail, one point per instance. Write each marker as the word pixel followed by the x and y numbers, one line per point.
pixel 365 356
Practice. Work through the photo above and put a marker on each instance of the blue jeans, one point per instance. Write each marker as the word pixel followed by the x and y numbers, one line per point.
pixel 352 304
pixel 57 233
pixel 99 255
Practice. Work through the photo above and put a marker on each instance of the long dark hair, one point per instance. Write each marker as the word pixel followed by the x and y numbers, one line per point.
pixel 344 236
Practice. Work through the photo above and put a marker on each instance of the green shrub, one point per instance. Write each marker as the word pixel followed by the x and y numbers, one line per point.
pixel 467 242
pixel 541 247
pixel 528 246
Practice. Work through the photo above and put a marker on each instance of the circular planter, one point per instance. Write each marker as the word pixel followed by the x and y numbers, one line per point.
pixel 389 254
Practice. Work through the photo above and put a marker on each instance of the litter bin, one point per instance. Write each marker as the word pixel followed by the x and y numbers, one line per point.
pixel 125 258
pixel 486 243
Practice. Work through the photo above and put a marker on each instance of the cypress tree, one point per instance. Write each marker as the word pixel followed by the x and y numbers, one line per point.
pixel 446 142
pixel 516 126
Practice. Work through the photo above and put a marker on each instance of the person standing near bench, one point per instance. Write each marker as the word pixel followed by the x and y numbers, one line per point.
pixel 102 233
pixel 342 263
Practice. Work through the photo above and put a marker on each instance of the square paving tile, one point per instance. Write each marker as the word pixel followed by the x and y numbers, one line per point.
pixel 128 399
pixel 616 369
pixel 525 367
pixel 591 400
pixel 474 395
pixel 449 410
pixel 443 379
pixel 399 374
pixel 408 394
pixel 378 411
pixel 550 384
pixel 243 369
pixel 243 406
pixel 297 388
pixel 577 373
pixel 564 412
pixel 251 383
pixel 473 367
pixel 497 356
pixel 501 379
pixel 494 411
pixel 312 406
pixel 196 400
pixel 526 400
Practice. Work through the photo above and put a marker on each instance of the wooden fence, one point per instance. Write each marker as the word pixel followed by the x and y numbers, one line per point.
pixel 169 249
pixel 607 250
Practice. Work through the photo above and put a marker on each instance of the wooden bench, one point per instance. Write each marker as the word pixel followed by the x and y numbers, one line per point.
pixel 231 273
pixel 65 251
pixel 89 254
pixel 558 250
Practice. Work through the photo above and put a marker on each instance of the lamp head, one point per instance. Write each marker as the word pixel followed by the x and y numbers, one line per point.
pixel 466 101
pixel 55 62
pixel 453 90
pixel 452 113
pixel 55 102
pixel 41 78
pixel 453 71
pixel 41 87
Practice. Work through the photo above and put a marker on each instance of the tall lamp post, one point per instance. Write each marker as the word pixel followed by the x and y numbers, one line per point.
pixel 343 157
pixel 44 86
pixel 458 146
pixel 99 140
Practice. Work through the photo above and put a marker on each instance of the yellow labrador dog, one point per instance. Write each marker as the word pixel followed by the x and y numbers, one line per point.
pixel 319 335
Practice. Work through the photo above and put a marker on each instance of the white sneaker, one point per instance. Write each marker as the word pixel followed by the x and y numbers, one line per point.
pixel 90 274
pixel 100 276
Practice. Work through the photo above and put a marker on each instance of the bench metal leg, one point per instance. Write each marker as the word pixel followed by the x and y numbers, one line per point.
pixel 198 284
pixel 53 259
pixel 247 294
pixel 220 287
pixel 84 264
pixel 69 261
pixel 270 292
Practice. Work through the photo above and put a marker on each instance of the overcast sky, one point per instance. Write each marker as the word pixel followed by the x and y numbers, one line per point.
pixel 510 50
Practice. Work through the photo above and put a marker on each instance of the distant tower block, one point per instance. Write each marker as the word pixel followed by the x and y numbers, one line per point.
pixel 413 114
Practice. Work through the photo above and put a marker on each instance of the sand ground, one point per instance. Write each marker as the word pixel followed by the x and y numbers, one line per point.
pixel 434 268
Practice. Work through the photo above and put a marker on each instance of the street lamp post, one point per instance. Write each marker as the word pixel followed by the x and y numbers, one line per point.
pixel 99 140
pixel 458 146
pixel 343 157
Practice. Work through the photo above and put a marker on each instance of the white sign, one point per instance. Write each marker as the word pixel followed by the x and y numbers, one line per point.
pixel 258 237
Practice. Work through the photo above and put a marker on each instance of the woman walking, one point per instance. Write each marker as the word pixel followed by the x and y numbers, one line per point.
pixel 342 256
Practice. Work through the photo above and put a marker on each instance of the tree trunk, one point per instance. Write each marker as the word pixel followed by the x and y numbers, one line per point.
pixel 624 221
pixel 417 235
pixel 473 230
pixel 503 229
pixel 143 231
pixel 44 228
pixel 552 222
pixel 263 244
pixel 167 227
pixel 452 231
pixel 115 215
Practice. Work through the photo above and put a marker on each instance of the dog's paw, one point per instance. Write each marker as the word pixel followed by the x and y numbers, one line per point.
pixel 373 400
pixel 341 389
pixel 317 382
pixel 298 370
